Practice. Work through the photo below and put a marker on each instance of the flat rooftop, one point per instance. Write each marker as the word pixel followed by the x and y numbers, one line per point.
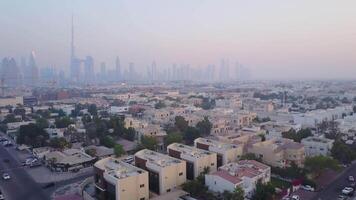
pixel 189 150
pixel 117 168
pixel 235 172
pixel 216 144
pixel 317 139
pixel 157 159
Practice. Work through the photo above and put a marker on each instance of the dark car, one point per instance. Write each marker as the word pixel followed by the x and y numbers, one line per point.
pixel 6 160
pixel 48 185
pixel 1 196
pixel 8 145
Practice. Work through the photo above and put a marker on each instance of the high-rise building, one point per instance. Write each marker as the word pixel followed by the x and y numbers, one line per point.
pixel 118 69
pixel 74 61
pixel 33 74
pixel 89 75
pixel 132 71
pixel 10 73
pixel 102 74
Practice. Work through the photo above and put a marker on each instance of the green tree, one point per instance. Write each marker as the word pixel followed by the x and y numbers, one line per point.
pixel 190 135
pixel 237 194
pixel 148 142
pixel 10 118
pixel 263 191
pixel 91 152
pixel 181 123
pixel 175 137
pixel 119 150
pixel 19 111
pixel 42 123
pixel 59 143
pixel 118 124
pixel 63 122
pixel 129 134
pixel 160 104
pixel 317 164
pixel 107 141
pixel 32 135
pixel 342 152
pixel 297 136
pixel 204 126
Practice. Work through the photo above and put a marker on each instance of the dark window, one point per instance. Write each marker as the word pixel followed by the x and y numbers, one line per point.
pixel 142 185
pixel 168 190
pixel 143 198
pixel 180 174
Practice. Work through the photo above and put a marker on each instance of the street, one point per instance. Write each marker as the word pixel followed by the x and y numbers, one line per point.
pixel 332 191
pixel 21 186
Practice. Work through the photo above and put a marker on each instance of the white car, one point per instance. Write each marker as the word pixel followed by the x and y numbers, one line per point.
pixel 295 197
pixel 6 176
pixel 308 188
pixel 347 191
pixel 1 196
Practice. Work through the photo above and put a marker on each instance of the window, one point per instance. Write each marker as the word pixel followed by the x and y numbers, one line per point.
pixel 181 173
pixel 212 164
pixel 168 190
pixel 143 198
pixel 142 185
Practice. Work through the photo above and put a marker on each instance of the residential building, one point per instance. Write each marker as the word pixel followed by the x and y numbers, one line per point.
pixel 226 152
pixel 155 131
pixel 244 174
pixel 165 173
pixel 68 160
pixel 316 146
pixel 115 179
pixel 197 160
pixel 279 152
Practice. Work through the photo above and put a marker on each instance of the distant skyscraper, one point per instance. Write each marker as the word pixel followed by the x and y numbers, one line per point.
pixel 154 71
pixel 131 71
pixel 224 71
pixel 118 69
pixel 74 61
pixel 33 70
pixel 89 75
pixel 10 73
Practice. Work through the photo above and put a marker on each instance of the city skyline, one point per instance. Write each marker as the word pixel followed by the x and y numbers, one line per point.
pixel 276 43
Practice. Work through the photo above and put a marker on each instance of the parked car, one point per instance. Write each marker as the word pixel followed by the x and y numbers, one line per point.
pixel 341 197
pixel 295 197
pixel 6 176
pixel 351 179
pixel 3 139
pixel 308 188
pixel 7 143
pixel 353 185
pixel 348 191
pixel 128 159
pixel 48 185
pixel 1 196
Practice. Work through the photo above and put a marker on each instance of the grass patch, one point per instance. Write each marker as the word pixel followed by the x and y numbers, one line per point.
pixel 280 183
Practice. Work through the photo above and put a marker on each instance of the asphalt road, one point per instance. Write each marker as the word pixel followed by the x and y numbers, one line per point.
pixel 332 191
pixel 21 186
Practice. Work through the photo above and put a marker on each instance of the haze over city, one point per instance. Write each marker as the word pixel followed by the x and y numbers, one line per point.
pixel 274 39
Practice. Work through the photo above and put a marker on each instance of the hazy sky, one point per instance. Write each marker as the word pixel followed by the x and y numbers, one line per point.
pixel 274 38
